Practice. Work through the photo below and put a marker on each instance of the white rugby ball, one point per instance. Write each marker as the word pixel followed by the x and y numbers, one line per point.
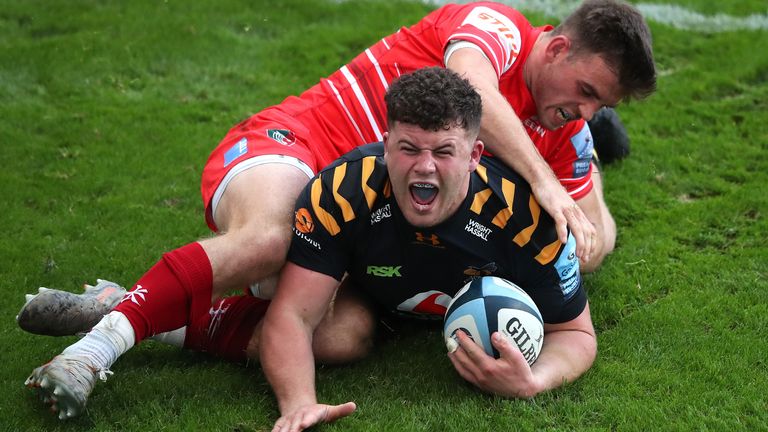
pixel 491 304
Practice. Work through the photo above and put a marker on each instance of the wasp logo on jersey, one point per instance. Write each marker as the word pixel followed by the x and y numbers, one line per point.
pixel 304 222
pixel 476 272
pixel 282 136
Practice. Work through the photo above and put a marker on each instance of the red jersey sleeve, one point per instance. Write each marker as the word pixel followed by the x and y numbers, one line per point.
pixel 569 153
pixel 494 29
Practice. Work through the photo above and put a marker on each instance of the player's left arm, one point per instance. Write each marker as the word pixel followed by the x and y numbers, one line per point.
pixel 569 350
pixel 302 299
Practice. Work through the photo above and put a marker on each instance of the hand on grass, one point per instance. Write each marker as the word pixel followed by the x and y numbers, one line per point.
pixel 311 415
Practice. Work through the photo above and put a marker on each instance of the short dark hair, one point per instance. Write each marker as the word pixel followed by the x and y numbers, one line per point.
pixel 617 32
pixel 434 98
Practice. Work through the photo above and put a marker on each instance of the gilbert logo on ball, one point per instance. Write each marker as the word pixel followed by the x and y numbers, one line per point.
pixel 492 304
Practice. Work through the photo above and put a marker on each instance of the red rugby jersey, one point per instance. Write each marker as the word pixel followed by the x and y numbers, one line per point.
pixel 347 108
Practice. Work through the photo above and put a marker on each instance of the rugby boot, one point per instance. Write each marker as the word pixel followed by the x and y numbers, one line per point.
pixel 610 137
pixel 65 383
pixel 61 313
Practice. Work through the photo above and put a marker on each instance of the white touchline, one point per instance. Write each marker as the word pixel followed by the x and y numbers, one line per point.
pixel 668 14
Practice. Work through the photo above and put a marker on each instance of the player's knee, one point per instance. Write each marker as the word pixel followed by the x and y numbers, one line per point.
pixel 345 337
pixel 263 248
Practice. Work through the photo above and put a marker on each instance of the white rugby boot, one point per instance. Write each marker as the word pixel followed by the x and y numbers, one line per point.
pixel 65 383
pixel 54 312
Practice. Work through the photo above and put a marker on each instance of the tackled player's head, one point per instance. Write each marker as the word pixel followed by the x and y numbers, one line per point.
pixel 431 147
pixel 434 98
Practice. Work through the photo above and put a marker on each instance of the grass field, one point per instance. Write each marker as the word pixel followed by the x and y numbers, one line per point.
pixel 109 109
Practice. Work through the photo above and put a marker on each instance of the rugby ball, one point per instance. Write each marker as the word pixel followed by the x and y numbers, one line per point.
pixel 491 304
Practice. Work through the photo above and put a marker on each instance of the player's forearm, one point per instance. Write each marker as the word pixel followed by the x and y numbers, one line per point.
pixel 506 138
pixel 565 356
pixel 501 129
pixel 288 363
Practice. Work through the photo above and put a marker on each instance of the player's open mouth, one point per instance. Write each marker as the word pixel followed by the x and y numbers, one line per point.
pixel 423 193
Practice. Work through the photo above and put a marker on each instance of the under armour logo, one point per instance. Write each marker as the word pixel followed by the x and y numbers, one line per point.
pixel 139 291
pixel 431 239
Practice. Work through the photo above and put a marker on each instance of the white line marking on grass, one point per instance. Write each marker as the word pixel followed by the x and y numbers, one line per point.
pixel 685 19
pixel 671 15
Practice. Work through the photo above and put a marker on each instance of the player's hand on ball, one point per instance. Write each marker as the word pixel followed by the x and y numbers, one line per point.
pixel 311 415
pixel 509 376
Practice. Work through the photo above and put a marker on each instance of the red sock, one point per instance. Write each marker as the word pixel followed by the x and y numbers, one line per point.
pixel 177 287
pixel 226 328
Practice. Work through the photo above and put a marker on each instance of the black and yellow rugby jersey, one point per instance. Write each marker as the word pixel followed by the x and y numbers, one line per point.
pixel 348 221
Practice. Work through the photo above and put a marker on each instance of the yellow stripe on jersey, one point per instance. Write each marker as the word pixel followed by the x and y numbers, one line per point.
pixel 480 199
pixel 323 216
pixel 370 195
pixel 548 253
pixel 523 237
pixel 338 176
pixel 502 217
pixel 482 172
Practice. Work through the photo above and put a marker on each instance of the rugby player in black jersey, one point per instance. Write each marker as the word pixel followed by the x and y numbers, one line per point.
pixel 408 222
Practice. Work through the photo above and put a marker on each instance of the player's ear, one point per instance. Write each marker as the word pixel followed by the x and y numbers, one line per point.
pixel 385 139
pixel 475 154
pixel 557 46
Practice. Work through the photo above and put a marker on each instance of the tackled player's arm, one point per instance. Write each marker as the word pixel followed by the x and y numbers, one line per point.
pixel 303 297
pixel 569 350
pixel 505 136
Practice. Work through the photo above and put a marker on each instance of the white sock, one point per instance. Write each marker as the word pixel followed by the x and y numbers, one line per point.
pixel 173 337
pixel 112 337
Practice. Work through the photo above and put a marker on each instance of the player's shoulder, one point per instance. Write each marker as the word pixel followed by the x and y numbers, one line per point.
pixel 352 183
pixel 373 152
pixel 492 171
pixel 505 197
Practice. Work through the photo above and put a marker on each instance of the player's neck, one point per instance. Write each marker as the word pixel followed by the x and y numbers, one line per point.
pixel 534 60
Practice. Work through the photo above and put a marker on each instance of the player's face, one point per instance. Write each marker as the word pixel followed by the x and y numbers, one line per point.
pixel 572 87
pixel 430 170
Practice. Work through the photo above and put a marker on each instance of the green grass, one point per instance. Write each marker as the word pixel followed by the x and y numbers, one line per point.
pixel 108 111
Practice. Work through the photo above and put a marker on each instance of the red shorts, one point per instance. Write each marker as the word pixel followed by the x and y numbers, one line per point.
pixel 268 137
pixel 225 329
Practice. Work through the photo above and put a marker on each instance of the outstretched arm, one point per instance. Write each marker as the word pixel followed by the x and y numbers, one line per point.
pixel 568 351
pixel 504 135
pixel 302 299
